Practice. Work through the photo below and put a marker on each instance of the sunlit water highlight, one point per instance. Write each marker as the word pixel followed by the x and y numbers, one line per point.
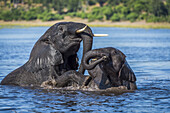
pixel 147 51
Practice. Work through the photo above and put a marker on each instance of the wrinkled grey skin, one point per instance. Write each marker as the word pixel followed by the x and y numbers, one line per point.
pixel 108 69
pixel 54 56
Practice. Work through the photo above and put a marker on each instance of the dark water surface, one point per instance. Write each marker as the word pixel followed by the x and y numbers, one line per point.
pixel 147 51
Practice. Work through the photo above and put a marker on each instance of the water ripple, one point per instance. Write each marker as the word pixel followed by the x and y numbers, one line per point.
pixel 147 51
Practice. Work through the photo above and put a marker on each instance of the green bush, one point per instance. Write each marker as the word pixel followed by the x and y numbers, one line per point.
pixel 33 13
pixel 115 17
pixel 168 18
pixel 78 14
pixel 43 15
pixel 96 14
pixel 125 10
pixel 16 13
pixel 91 17
pixel 1 18
pixel 81 15
pixel 6 15
pixel 132 16
pixel 122 16
pixel 72 14
pixel 13 14
pixel 59 17
pixel 96 11
pixel 107 11
pixel 153 18
pixel 92 2
pixel 118 8
pixel 143 16
pixel 29 15
pixel 138 8
pixel 48 16
pixel 99 17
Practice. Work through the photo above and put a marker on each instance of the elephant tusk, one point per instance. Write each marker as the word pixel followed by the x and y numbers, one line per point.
pixel 99 35
pixel 94 59
pixel 81 30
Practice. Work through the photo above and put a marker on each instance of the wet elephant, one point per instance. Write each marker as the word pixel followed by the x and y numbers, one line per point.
pixel 108 68
pixel 53 55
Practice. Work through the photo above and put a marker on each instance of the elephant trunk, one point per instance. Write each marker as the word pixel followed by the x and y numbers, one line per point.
pixel 87 46
pixel 99 57
pixel 87 37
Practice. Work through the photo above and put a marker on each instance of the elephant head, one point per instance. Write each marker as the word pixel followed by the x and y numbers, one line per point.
pixel 66 36
pixel 109 63
pixel 63 40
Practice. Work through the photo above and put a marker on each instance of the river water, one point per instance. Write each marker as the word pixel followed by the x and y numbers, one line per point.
pixel 148 54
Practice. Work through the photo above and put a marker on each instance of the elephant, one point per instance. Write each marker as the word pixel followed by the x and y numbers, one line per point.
pixel 108 68
pixel 54 56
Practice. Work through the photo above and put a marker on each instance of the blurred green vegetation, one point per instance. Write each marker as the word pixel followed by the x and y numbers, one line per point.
pixel 114 10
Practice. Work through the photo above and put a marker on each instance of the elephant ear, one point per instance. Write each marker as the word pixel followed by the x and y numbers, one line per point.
pixel 122 54
pixel 43 58
pixel 127 77
pixel 55 58
pixel 126 73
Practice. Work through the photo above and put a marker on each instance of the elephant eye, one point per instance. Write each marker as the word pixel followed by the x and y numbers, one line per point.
pixel 60 30
pixel 47 41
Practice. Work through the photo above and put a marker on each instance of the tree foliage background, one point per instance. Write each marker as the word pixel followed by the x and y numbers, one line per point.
pixel 114 10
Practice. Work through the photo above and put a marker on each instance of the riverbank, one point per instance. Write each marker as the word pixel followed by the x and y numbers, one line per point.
pixel 127 24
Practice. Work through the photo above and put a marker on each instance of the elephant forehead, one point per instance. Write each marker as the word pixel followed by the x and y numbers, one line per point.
pixel 117 58
pixel 71 25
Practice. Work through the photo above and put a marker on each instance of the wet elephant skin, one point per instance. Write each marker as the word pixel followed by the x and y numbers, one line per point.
pixel 108 68
pixel 54 54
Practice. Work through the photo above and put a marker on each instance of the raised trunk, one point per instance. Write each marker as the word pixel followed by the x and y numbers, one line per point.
pixel 87 37
pixel 90 55
pixel 87 46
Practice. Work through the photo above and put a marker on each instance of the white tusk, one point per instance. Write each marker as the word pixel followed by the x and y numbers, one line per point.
pixel 81 30
pixel 99 35
pixel 94 59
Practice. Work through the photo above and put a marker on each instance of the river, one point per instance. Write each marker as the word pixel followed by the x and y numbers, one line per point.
pixel 148 54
